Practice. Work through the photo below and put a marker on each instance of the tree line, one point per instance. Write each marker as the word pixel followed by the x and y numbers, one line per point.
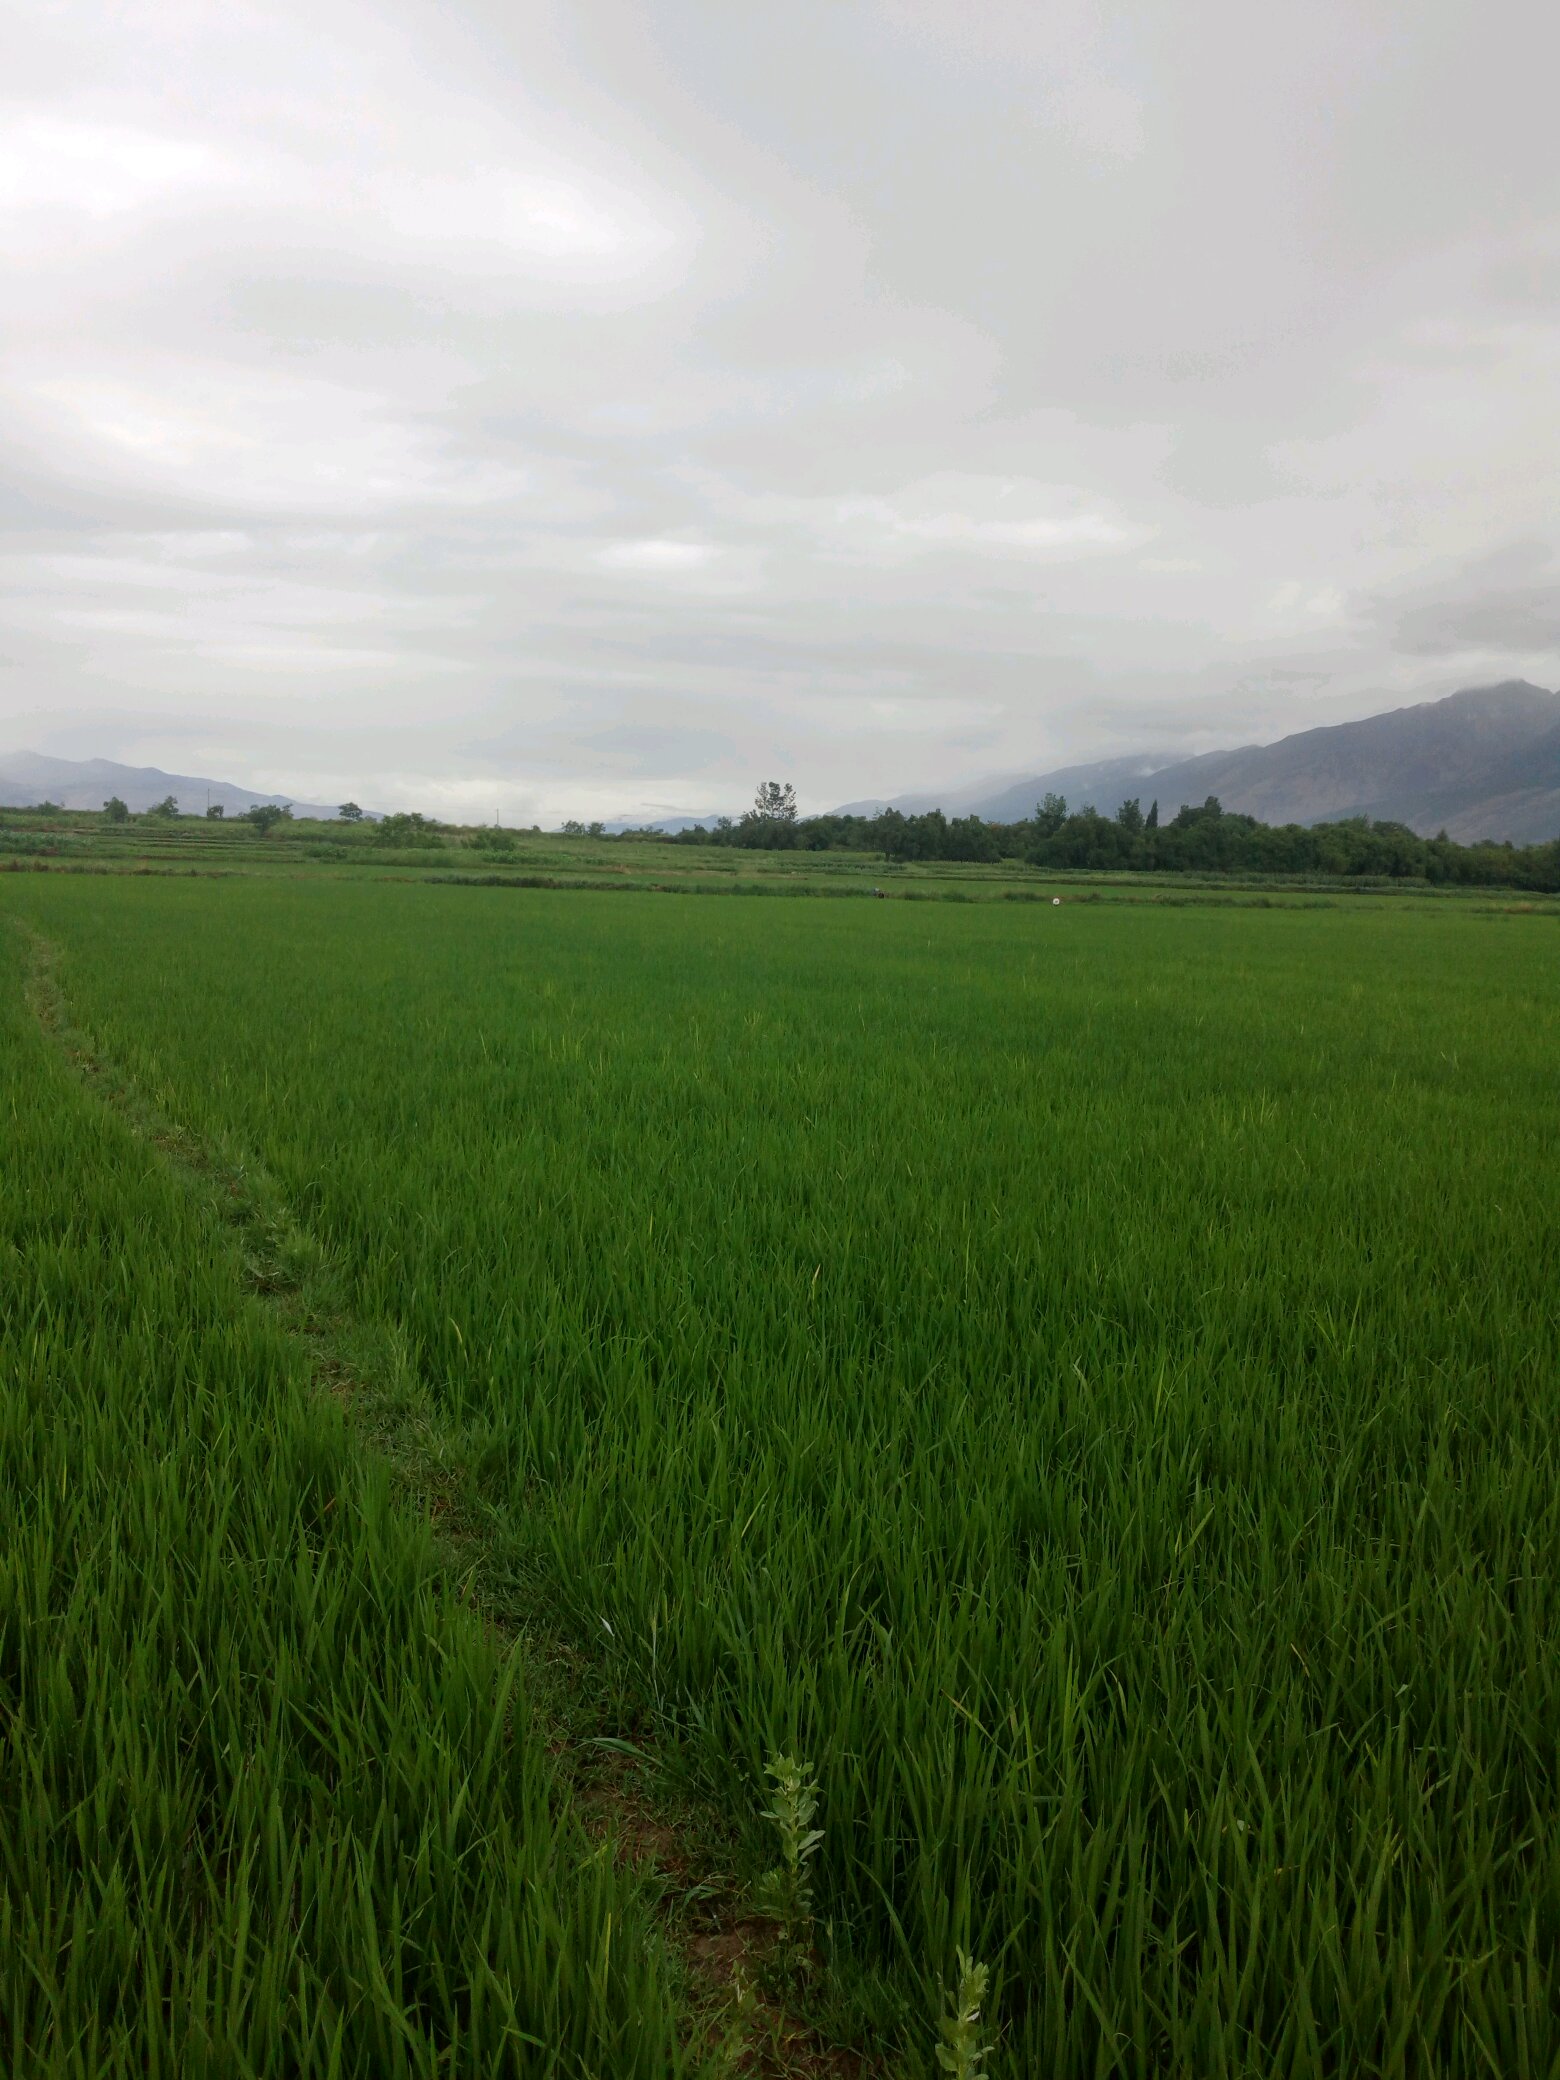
pixel 1199 839
pixel 1205 838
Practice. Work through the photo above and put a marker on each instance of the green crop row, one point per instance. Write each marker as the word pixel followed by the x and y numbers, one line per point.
pixel 269 1802
pixel 1083 1378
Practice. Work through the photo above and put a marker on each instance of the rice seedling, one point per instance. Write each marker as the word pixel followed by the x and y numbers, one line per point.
pixel 1083 1377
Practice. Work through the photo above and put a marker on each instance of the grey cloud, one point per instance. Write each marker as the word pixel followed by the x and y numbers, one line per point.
pixel 620 749
pixel 1500 607
pixel 1519 624
pixel 525 403
pixel 1527 278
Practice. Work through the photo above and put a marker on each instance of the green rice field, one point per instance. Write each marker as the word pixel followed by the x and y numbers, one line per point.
pixel 1085 1378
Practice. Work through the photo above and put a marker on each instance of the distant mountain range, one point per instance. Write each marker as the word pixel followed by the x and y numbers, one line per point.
pixel 1483 763
pixel 671 825
pixel 87 783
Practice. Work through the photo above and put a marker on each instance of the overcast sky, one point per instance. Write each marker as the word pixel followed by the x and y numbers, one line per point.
pixel 507 408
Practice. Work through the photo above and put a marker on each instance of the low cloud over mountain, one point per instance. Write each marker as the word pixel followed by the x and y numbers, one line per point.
pixel 1483 763
pixel 86 783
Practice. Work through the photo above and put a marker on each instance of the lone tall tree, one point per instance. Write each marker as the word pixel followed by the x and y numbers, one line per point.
pixel 1050 815
pixel 775 801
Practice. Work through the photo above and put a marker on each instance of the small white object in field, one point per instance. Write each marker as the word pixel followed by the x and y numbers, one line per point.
pixel 1056 902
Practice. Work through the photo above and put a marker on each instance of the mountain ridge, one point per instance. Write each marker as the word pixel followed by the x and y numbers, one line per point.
pixel 1483 762
pixel 27 777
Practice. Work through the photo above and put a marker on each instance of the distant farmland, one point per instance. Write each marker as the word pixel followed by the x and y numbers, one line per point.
pixel 1083 1378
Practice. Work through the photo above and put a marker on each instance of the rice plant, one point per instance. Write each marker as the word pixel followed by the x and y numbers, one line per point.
pixel 269 1801
pixel 1083 1377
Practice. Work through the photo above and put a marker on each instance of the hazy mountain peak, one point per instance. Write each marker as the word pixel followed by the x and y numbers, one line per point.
pixel 1482 762
pixel 86 783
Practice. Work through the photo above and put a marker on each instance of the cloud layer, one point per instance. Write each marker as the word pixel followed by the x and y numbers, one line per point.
pixel 548 410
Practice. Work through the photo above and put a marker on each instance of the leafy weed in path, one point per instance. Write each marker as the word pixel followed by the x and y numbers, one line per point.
pixel 1082 1377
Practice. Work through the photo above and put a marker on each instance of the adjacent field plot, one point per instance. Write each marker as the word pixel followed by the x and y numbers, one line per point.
pixel 1085 1377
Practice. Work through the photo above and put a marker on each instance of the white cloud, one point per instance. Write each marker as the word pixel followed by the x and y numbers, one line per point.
pixel 50 165
pixel 656 557
pixel 991 516
pixel 276 440
pixel 1046 533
